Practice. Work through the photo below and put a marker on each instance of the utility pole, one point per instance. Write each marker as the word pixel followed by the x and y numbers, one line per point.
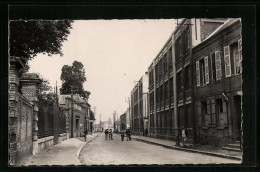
pixel 100 123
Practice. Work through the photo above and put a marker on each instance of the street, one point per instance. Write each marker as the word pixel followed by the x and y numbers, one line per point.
pixel 115 152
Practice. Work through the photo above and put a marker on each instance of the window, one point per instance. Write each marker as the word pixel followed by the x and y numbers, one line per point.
pixel 218 65
pixel 161 93
pixel 179 81
pixel 177 48
pixel 170 59
pixel 186 40
pixel 213 67
pixel 157 72
pixel 202 72
pixel 198 73
pixel 187 77
pixel 238 58
pixel 157 96
pixel 171 89
pixel 227 61
pixel 166 90
pixel 204 111
pixel 160 68
pixel 165 65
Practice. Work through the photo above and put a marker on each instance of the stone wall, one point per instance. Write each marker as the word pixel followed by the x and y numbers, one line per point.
pixel 21 115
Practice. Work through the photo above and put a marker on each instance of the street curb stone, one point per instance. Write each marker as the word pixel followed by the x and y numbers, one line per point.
pixel 192 150
pixel 78 153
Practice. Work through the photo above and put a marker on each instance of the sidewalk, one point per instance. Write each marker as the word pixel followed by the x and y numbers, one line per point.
pixel 202 149
pixel 64 153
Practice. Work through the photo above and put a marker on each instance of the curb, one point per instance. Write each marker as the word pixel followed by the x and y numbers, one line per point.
pixel 192 150
pixel 78 152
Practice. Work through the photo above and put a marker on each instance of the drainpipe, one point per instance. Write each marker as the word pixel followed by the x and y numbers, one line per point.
pixel 72 104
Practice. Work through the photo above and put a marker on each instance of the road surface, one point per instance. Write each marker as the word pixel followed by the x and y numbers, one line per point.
pixel 116 152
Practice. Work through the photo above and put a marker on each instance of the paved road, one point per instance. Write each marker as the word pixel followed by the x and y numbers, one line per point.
pixel 106 152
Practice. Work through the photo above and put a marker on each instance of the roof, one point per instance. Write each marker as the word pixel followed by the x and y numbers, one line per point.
pixel 76 97
pixel 228 23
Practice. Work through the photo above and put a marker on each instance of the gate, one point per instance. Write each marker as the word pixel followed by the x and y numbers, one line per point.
pixel 51 119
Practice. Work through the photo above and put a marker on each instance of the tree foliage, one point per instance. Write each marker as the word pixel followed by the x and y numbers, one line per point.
pixel 28 38
pixel 72 78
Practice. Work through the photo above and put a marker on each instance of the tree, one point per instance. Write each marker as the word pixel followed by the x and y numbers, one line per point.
pixel 72 78
pixel 28 38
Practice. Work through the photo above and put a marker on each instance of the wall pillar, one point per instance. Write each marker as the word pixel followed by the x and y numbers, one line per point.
pixel 15 66
pixel 30 89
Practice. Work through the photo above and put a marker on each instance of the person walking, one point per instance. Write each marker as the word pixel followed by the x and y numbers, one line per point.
pixel 183 136
pixel 106 133
pixel 122 135
pixel 85 134
pixel 110 134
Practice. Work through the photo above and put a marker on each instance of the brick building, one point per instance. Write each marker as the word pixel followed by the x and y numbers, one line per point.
pixel 171 93
pixel 139 106
pixel 78 114
pixel 218 85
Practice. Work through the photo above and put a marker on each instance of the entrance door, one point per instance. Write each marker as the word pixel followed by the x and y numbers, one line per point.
pixel 237 119
pixel 77 128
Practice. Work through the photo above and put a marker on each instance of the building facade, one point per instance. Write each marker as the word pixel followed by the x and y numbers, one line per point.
pixel 78 114
pixel 218 85
pixel 123 122
pixel 171 91
pixel 139 106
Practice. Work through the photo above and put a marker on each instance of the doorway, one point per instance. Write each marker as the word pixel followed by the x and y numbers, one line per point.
pixel 77 128
pixel 237 117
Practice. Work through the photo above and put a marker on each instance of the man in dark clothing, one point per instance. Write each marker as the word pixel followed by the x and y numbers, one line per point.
pixel 110 134
pixel 128 134
pixel 85 134
pixel 122 135
pixel 106 133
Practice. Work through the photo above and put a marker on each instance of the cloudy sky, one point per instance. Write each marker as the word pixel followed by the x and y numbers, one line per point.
pixel 115 53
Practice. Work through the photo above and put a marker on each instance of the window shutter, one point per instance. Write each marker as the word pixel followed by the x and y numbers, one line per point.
pixel 213 112
pixel 227 61
pixel 218 65
pixel 199 114
pixel 198 73
pixel 240 49
pixel 239 44
pixel 206 69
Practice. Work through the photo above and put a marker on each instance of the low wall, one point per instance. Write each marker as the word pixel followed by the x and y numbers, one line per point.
pixel 45 143
pixel 62 137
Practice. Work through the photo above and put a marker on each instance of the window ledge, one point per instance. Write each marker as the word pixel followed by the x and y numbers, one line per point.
pixel 220 128
pixel 204 128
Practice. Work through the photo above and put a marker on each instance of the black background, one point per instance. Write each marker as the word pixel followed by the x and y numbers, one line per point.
pixel 247 11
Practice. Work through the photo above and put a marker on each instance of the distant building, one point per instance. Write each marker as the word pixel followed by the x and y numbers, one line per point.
pixel 77 112
pixel 123 122
pixel 139 106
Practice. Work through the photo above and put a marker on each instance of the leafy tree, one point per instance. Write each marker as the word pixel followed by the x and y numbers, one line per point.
pixel 72 78
pixel 28 38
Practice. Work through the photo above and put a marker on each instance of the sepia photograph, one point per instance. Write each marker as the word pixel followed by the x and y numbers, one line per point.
pixel 125 92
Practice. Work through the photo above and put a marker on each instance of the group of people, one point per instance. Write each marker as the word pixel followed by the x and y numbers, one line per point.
pixel 109 134
pixel 126 132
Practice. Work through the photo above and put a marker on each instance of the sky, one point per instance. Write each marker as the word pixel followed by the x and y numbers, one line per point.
pixel 115 54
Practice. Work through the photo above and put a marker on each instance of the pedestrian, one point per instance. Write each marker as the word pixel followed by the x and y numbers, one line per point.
pixel 85 134
pixel 183 136
pixel 128 134
pixel 122 135
pixel 106 133
pixel 110 134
